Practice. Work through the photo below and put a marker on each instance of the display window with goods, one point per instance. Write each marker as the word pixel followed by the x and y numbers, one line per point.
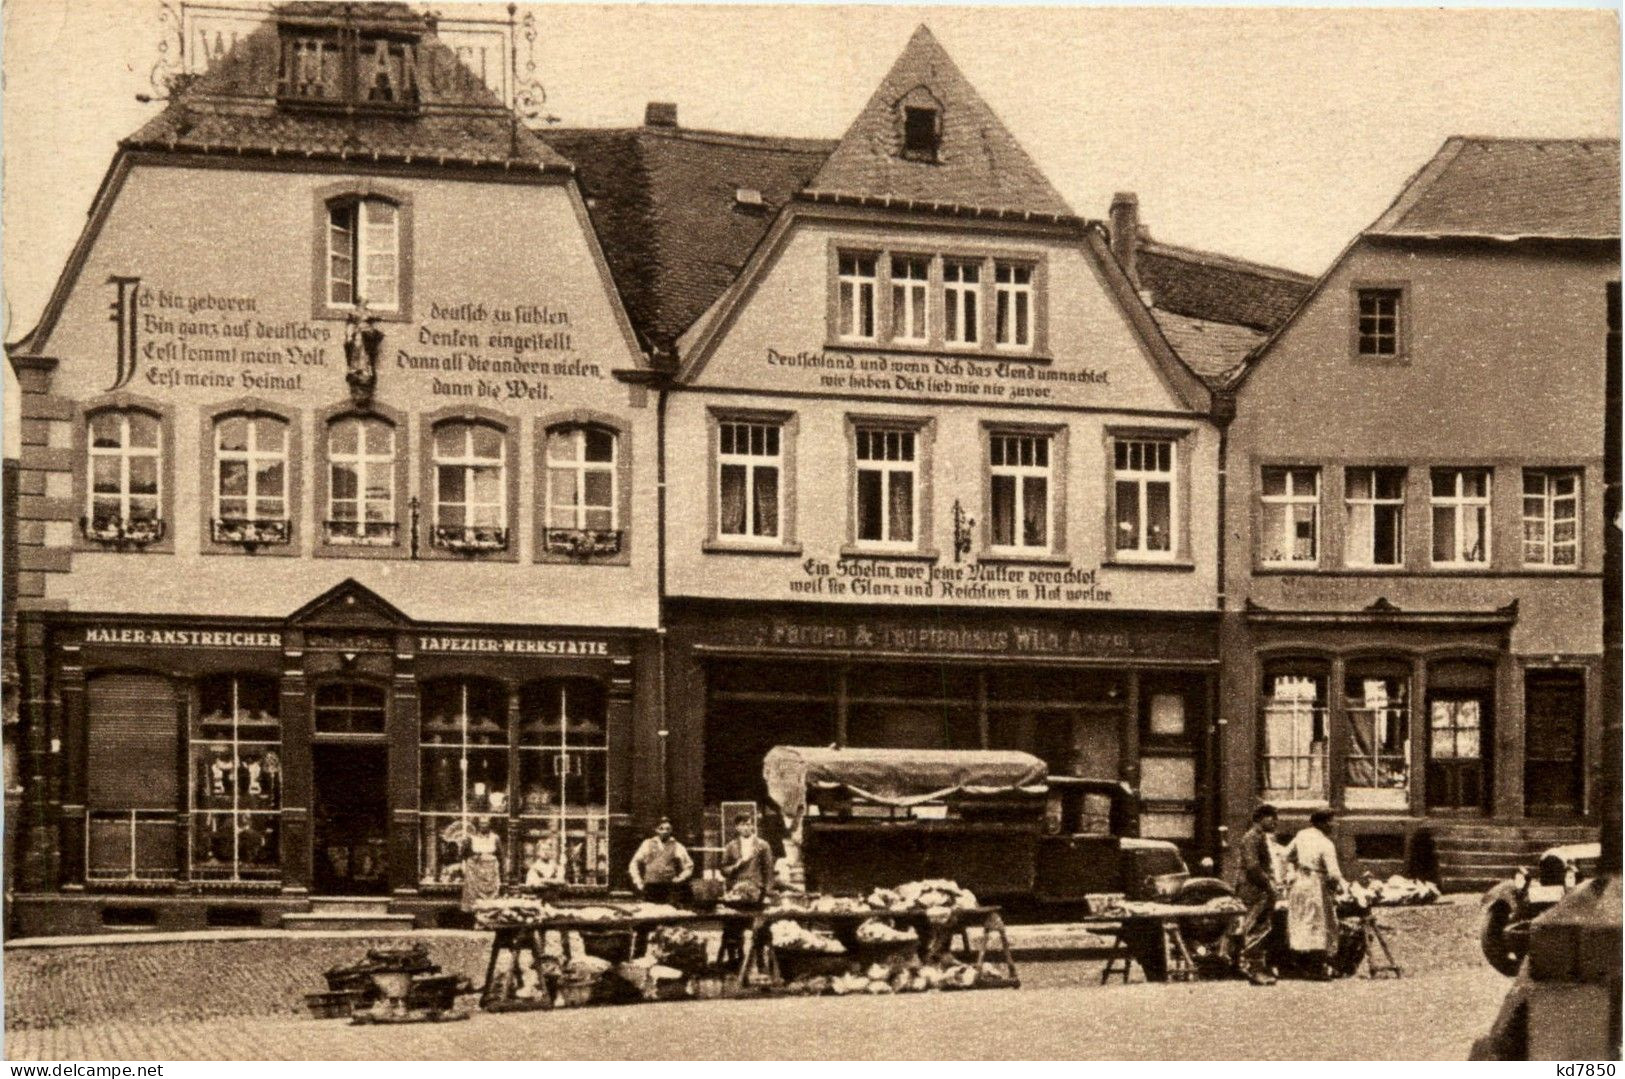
pixel 541 778
pixel 236 780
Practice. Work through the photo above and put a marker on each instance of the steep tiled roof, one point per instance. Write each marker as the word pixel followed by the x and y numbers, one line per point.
pixel 664 202
pixel 979 163
pixel 1512 188
pixel 1212 349
pixel 232 107
pixel 1218 288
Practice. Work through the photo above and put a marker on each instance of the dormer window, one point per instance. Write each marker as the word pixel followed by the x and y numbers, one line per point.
pixel 922 133
pixel 348 67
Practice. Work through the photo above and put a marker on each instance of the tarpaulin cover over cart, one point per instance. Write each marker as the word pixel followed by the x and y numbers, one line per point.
pixel 896 777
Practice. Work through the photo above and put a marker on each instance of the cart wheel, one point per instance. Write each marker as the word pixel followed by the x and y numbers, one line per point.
pixel 1503 954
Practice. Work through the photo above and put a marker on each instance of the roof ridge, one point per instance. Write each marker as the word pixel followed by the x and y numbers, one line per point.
pixel 1198 254
pixel 1565 139
pixel 792 143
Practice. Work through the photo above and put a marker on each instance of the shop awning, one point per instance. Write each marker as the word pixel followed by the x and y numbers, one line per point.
pixel 896 777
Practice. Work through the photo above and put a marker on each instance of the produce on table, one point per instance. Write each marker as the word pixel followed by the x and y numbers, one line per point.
pixel 1396 891
pixel 793 936
pixel 875 931
pixel 514 910
pixel 922 895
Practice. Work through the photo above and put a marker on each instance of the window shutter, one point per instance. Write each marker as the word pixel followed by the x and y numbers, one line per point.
pixel 380 254
pixel 134 737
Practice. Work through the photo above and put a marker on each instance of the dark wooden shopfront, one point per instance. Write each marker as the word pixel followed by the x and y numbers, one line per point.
pixel 1112 695
pixel 342 751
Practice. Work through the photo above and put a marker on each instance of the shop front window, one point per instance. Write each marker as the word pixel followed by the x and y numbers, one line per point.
pixel 236 780
pixel 564 783
pixel 464 771
pixel 1294 737
pixel 1379 743
pixel 132 723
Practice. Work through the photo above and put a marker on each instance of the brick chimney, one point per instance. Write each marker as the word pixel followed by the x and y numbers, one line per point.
pixel 660 114
pixel 1125 224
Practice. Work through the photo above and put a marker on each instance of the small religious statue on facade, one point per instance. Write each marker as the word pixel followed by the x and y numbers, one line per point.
pixel 362 338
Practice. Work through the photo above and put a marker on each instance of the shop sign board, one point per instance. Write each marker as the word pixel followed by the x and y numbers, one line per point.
pixel 1013 638
pixel 519 646
pixel 143 636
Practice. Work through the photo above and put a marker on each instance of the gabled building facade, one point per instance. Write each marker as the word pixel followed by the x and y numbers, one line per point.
pixel 1414 496
pixel 337 533
pixel 872 349
pixel 943 483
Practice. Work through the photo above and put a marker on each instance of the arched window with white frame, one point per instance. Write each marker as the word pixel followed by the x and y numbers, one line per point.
pixel 251 493
pixel 125 448
pixel 470 486
pixel 583 489
pixel 361 463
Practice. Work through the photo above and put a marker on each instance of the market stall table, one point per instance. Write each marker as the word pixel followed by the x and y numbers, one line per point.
pixel 532 936
pixel 1159 931
pixel 935 936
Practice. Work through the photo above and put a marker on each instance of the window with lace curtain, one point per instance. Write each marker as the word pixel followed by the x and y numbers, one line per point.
pixel 1020 481
pixel 887 487
pixel 1294 736
pixel 1377 711
pixel 750 464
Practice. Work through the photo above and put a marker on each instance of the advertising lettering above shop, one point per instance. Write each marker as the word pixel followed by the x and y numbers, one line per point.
pixel 543 646
pixel 997 639
pixel 175 340
pixel 971 378
pixel 976 582
pixel 185 638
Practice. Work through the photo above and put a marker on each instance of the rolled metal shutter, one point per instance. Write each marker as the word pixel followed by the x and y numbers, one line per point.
pixel 134 737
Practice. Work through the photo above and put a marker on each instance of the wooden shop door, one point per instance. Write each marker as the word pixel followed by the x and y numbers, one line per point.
pixel 1554 729
pixel 351 819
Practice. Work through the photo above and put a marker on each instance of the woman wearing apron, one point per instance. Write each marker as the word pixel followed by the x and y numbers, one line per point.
pixel 1311 920
pixel 482 864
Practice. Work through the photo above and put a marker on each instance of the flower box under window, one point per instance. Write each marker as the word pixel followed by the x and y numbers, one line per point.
pixel 121 531
pixel 360 533
pixel 582 542
pixel 247 532
pixel 471 540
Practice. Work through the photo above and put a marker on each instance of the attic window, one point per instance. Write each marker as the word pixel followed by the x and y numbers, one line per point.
pixel 749 198
pixel 922 133
pixel 323 66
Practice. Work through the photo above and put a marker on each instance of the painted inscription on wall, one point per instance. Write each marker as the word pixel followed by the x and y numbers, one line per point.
pixel 971 378
pixel 170 339
pixel 495 353
pixel 867 579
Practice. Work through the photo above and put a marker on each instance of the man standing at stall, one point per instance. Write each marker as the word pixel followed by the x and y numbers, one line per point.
pixel 1256 887
pixel 661 865
pixel 747 863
